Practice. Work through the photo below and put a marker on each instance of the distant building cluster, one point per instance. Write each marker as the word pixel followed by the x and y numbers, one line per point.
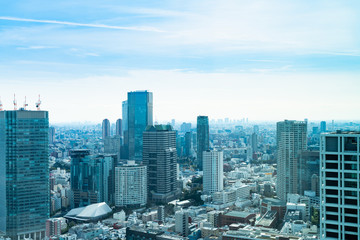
pixel 210 179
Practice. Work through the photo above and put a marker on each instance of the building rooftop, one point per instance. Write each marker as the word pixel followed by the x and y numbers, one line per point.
pixel 159 128
pixel 238 214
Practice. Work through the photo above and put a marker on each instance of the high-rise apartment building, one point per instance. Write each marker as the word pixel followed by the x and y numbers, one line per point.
pixel 340 185
pixel 291 140
pixel 159 155
pixel 140 115
pixel 130 185
pixel 105 128
pixel 24 173
pixel 213 171
pixel 202 138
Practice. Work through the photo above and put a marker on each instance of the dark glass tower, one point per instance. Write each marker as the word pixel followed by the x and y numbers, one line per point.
pixel 202 138
pixel 24 173
pixel 118 127
pixel 105 128
pixel 140 115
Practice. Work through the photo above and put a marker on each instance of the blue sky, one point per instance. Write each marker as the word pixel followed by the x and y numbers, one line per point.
pixel 265 60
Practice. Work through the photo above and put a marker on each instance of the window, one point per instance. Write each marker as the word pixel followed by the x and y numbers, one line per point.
pixel 351 219
pixel 351 193
pixel 332 209
pixel 331 174
pixel 351 184
pixel 351 211
pixel 350 144
pixel 331 200
pixel 332 234
pixel 331 144
pixel 331 226
pixel 332 217
pixel 331 165
pixel 351 202
pixel 331 183
pixel 331 192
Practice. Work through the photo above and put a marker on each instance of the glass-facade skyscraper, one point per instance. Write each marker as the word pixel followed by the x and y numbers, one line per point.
pixel 24 173
pixel 202 138
pixel 105 128
pixel 139 116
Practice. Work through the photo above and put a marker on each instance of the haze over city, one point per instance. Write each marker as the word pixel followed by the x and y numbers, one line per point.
pixel 250 59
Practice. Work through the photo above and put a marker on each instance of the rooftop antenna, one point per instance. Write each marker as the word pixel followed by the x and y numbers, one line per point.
pixel 25 104
pixel 38 103
pixel 1 105
pixel 15 103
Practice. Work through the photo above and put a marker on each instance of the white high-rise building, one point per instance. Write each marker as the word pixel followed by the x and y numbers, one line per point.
pixel 291 140
pixel 339 185
pixel 182 222
pixel 130 185
pixel 213 171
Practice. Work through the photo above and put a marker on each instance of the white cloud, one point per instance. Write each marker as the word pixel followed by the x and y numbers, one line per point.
pixel 139 28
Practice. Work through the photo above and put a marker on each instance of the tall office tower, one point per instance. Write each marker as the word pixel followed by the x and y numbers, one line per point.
pixel 202 138
pixel 105 128
pixel 24 173
pixel 51 135
pixel 185 127
pixel 91 178
pixel 254 142
pixel 112 145
pixel 130 185
pixel 291 140
pixel 182 223
pixel 339 185
pixel 103 174
pixel 213 171
pixel 308 166
pixel 125 143
pixel 256 129
pixel 118 131
pixel 140 115
pixel 322 126
pixel 188 139
pixel 159 155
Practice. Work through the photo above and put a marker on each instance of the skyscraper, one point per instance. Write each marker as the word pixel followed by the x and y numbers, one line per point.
pixel 51 135
pixel 213 171
pixel 159 155
pixel 202 138
pixel 188 140
pixel 322 126
pixel 339 185
pixel 92 178
pixel 119 131
pixel 254 142
pixel 291 140
pixel 130 185
pixel 140 115
pixel 24 173
pixel 105 128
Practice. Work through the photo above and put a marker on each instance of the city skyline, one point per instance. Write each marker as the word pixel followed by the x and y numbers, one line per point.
pixel 197 58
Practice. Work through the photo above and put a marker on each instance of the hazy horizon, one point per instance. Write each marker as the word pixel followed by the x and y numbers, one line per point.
pixel 261 60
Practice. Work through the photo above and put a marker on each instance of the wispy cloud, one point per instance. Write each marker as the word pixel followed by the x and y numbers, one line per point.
pixel 138 28
pixel 35 47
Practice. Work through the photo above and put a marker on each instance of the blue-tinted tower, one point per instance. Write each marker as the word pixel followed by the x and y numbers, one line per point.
pixel 140 115
pixel 24 173
pixel 202 138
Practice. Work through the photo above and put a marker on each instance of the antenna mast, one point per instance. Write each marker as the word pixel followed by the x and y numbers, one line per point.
pixel 15 103
pixel 25 104
pixel 38 103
